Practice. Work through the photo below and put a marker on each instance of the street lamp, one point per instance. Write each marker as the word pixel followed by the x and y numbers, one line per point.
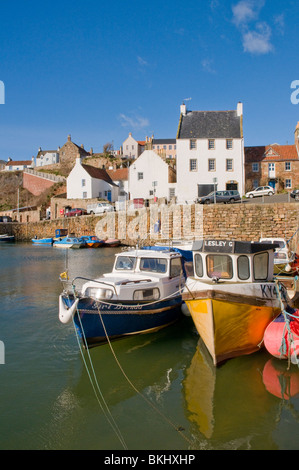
pixel 215 182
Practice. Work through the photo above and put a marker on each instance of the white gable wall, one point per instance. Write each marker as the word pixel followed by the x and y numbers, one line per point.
pixel 153 169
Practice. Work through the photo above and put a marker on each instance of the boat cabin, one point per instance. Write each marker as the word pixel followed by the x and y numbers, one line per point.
pixel 142 261
pixel 139 275
pixel 233 261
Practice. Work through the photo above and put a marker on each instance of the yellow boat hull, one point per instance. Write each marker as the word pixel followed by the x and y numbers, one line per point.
pixel 231 327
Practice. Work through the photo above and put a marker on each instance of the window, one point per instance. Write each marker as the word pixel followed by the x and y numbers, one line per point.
pixel 140 176
pixel 287 166
pixel 260 266
pixel 175 267
pixel 147 294
pixel 192 144
pixel 83 182
pixel 212 164
pixel 229 144
pixel 125 263
pixel 170 147
pixel 198 265
pixel 211 144
pixel 288 183
pixel 193 164
pixel 219 266
pixel 156 265
pixel 243 267
pixel 255 167
pixel 171 193
pixel 84 195
pixel 271 166
pixel 229 164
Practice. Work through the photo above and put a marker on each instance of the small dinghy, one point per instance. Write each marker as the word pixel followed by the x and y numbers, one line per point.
pixel 281 336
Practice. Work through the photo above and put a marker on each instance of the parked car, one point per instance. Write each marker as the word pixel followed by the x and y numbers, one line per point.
pixel 99 208
pixel 295 194
pixel 75 212
pixel 261 191
pixel 228 196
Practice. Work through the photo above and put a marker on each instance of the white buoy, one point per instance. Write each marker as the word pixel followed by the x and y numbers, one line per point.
pixel 65 313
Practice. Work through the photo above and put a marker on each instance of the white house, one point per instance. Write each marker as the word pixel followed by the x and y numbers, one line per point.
pixel 46 157
pixel 18 165
pixel 132 148
pixel 150 176
pixel 86 182
pixel 210 152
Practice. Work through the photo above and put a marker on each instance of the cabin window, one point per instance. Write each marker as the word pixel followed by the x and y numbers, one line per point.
pixel 243 267
pixel 219 266
pixel 260 266
pixel 147 294
pixel 198 265
pixel 125 263
pixel 156 265
pixel 175 267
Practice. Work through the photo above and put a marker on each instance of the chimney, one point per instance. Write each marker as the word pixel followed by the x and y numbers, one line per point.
pixel 91 151
pixel 69 138
pixel 183 109
pixel 240 109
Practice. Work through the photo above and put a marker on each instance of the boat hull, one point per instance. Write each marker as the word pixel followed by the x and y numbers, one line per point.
pixel 42 241
pixel 230 323
pixel 95 320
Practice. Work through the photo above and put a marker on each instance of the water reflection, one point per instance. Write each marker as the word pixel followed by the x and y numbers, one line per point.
pixel 231 405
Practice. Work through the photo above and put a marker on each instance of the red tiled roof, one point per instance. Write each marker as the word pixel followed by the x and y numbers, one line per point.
pixel 98 173
pixel 119 174
pixel 20 162
pixel 141 142
pixel 279 153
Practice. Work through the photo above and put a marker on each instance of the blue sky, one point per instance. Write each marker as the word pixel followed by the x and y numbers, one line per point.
pixel 99 70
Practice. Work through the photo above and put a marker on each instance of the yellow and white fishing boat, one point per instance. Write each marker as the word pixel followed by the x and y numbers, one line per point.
pixel 232 296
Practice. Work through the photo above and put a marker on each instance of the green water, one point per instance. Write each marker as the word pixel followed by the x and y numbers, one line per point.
pixel 162 394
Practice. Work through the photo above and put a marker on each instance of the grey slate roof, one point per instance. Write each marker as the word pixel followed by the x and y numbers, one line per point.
pixel 163 141
pixel 210 125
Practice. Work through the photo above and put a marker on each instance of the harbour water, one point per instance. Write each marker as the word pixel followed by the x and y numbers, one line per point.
pixel 158 391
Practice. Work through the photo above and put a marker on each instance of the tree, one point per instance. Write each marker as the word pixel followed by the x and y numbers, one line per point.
pixel 108 148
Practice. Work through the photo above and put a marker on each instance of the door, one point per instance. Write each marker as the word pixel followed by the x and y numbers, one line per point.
pixel 109 195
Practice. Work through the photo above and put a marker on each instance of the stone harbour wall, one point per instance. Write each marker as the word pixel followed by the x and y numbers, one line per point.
pixel 163 222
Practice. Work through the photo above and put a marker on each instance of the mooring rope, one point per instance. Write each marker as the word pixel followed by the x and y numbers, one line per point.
pixel 149 402
pixel 103 405
pixel 286 315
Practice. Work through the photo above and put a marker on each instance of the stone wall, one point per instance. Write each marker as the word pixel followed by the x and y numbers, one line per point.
pixel 235 221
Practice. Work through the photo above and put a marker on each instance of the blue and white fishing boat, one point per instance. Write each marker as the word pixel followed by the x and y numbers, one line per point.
pixel 142 294
pixel 69 242
pixel 91 241
pixel 7 238
pixel 42 241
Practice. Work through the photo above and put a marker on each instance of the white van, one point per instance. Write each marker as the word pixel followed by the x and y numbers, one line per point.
pixel 99 208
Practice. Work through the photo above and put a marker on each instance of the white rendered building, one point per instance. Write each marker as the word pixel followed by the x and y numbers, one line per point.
pixel 210 152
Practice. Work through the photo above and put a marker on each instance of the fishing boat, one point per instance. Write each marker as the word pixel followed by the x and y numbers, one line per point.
pixel 283 256
pixel 5 238
pixel 112 242
pixel 68 242
pixel 42 241
pixel 232 296
pixel 142 294
pixel 91 241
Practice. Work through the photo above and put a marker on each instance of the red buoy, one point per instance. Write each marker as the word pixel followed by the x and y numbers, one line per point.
pixel 281 337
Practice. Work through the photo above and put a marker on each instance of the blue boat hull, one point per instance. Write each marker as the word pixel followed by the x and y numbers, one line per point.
pixel 121 320
pixel 42 241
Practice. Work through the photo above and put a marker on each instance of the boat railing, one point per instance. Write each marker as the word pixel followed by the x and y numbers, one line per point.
pixel 94 280
pixel 137 281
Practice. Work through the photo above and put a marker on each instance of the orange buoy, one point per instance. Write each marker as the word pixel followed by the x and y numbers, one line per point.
pixel 281 337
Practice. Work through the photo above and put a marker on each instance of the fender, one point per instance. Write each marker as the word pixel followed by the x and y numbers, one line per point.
pixel 66 313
